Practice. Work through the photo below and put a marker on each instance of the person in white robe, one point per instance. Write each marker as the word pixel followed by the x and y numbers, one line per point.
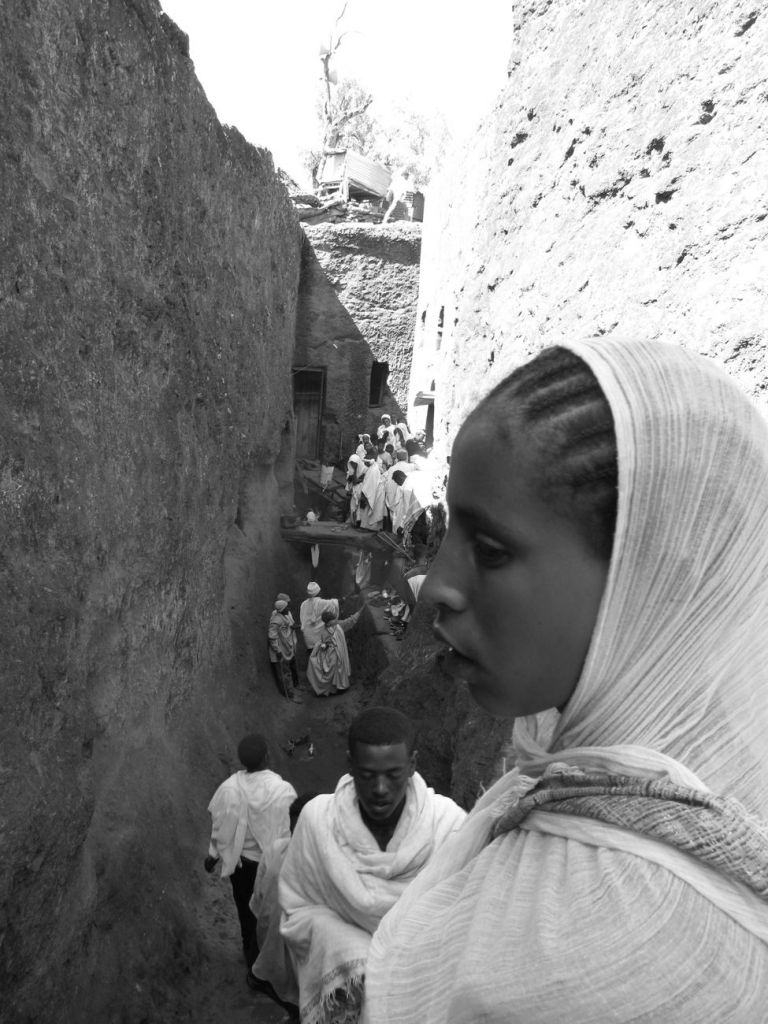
pixel 272 969
pixel 354 487
pixel 249 810
pixel 328 669
pixel 363 446
pixel 352 855
pixel 371 506
pixel 311 613
pixel 385 432
pixel 620 871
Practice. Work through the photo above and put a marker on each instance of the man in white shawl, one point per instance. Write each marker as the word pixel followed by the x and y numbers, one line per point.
pixel 371 506
pixel 352 855
pixel 311 613
pixel 249 811
pixel 604 582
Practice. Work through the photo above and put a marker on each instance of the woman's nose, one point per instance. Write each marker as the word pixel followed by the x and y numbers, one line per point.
pixel 445 585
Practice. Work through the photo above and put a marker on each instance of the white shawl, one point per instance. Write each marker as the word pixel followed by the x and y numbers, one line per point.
pixel 373 489
pixel 248 811
pixel 273 963
pixel 568 918
pixel 336 884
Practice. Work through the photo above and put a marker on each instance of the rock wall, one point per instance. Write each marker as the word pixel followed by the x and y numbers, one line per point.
pixel 617 188
pixel 357 305
pixel 149 265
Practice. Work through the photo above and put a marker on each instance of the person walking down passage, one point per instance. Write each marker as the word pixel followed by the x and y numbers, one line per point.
pixel 281 640
pixel 604 583
pixel 272 971
pixel 351 857
pixel 248 811
pixel 310 614
pixel 328 670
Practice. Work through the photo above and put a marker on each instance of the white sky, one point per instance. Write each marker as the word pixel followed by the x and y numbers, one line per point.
pixel 258 60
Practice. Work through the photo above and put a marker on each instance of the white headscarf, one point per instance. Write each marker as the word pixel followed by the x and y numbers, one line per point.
pixel 569 919
pixel 676 678
pixel 355 466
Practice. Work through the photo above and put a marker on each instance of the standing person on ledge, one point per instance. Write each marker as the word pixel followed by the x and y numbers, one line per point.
pixel 311 611
pixel 604 583
pixel 371 506
pixel 352 855
pixel 248 811
pixel 385 432
pixel 281 639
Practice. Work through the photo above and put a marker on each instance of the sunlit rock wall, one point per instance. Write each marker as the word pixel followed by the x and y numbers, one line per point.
pixel 618 188
pixel 149 267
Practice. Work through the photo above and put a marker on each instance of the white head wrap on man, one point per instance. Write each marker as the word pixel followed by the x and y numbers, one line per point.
pixel 566 918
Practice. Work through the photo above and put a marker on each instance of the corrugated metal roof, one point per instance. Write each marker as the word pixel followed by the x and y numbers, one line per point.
pixel 358 171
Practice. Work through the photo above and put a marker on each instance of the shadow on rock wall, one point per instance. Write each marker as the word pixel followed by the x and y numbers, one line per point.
pixel 357 307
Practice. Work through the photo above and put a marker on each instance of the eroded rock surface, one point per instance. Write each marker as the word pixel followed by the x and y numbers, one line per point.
pixel 617 189
pixel 149 269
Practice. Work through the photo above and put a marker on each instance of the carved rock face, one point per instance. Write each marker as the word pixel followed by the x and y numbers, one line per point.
pixel 616 188
pixel 150 264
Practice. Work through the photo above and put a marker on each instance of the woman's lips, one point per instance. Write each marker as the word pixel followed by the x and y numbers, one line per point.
pixel 451 659
pixel 457 664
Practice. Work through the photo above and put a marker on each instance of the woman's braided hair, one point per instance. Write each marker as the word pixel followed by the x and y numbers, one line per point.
pixel 558 402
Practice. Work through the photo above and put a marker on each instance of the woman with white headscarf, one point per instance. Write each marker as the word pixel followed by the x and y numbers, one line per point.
pixel 608 589
pixel 355 477
pixel 371 507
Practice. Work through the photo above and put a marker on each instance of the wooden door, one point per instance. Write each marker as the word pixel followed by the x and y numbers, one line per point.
pixel 308 389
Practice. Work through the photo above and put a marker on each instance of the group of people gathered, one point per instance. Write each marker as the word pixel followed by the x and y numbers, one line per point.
pixel 603 585
pixel 384 495
pixel 313 875
pixel 323 635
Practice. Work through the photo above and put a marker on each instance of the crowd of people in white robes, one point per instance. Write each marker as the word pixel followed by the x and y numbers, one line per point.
pixel 388 479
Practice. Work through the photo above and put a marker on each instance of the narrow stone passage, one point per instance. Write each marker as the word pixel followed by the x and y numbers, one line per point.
pixel 220 993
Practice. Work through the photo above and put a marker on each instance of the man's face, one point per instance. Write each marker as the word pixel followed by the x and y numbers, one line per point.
pixel 381 777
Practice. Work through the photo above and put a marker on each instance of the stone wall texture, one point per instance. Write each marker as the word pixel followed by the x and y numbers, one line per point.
pixel 617 188
pixel 149 265
pixel 357 305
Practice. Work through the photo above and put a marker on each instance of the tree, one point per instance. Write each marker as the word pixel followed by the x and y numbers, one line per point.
pixel 407 142
pixel 411 143
pixel 343 104
pixel 342 107
pixel 345 117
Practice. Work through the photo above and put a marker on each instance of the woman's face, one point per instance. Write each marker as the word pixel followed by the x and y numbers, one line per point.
pixel 516 588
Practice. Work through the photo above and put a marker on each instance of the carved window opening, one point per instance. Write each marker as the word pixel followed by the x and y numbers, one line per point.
pixel 379 374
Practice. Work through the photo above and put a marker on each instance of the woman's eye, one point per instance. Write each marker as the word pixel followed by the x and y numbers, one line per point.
pixel 489 554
